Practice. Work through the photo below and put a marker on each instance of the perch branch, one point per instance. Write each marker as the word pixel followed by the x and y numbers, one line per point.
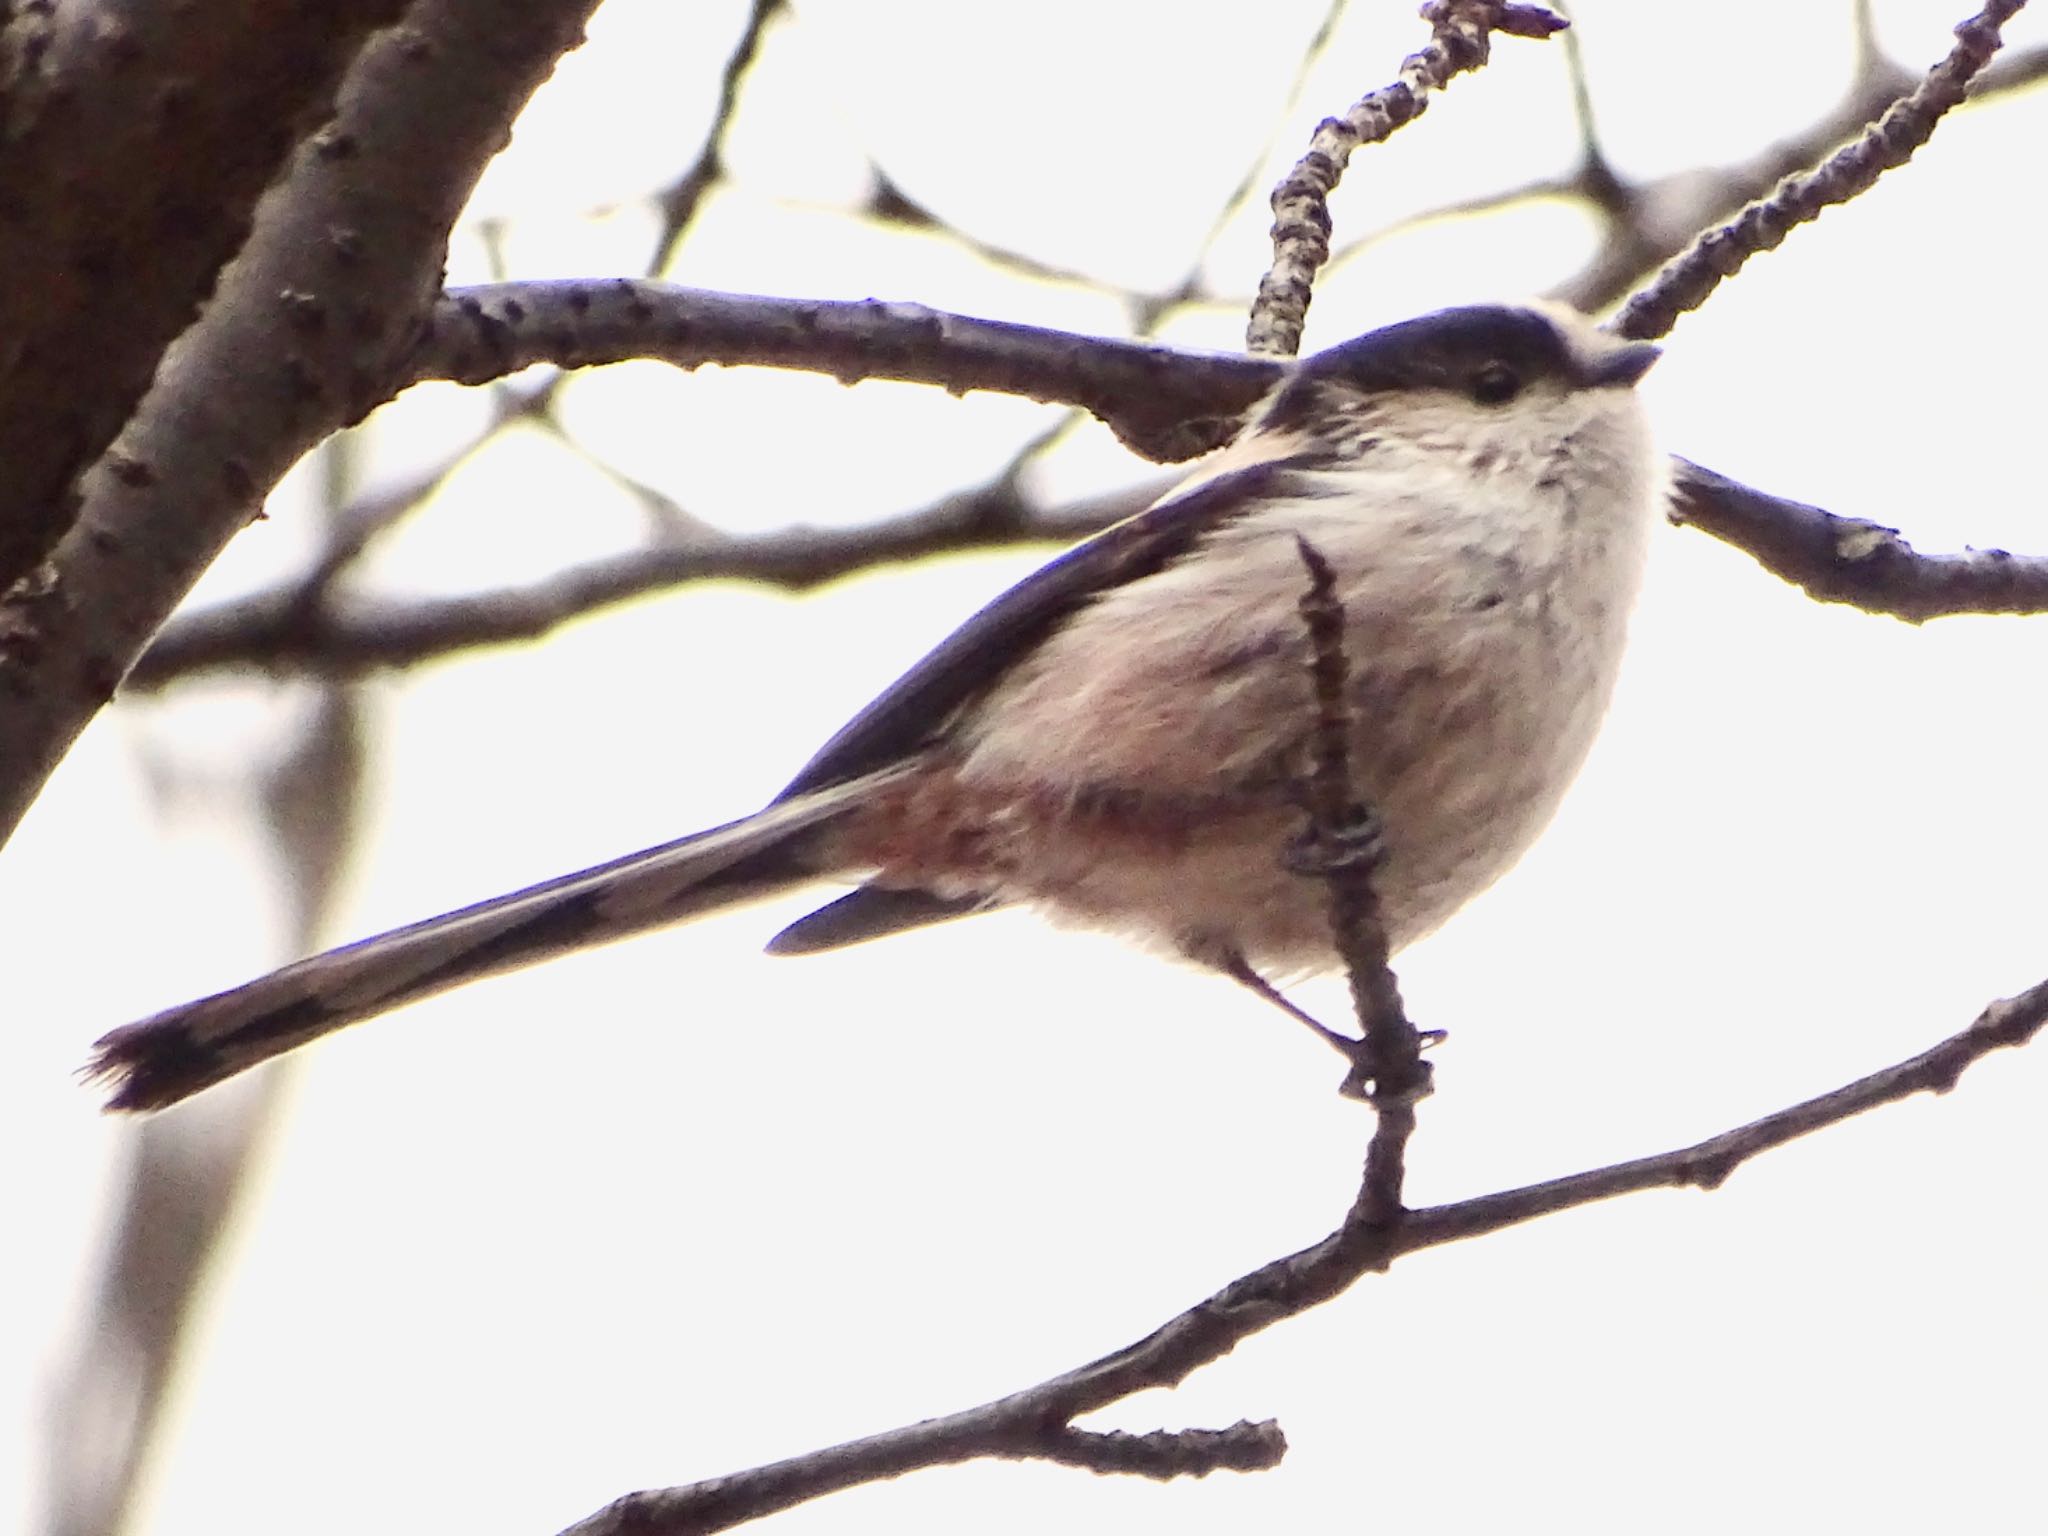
pixel 1036 1423
pixel 1342 848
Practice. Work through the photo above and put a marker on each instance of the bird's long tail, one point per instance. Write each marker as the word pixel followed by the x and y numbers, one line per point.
pixel 174 1054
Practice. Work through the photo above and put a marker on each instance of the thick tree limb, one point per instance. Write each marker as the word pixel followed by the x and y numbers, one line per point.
pixel 303 337
pixel 1036 1422
pixel 135 138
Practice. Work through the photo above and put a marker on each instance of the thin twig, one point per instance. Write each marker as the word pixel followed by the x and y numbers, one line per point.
pixel 1168 398
pixel 1685 282
pixel 1035 1422
pixel 1152 312
pixel 1461 32
pixel 680 201
pixel 1646 223
pixel 354 528
pixel 1342 848
pixel 279 631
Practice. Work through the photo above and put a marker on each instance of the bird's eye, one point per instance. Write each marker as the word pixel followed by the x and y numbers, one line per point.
pixel 1495 384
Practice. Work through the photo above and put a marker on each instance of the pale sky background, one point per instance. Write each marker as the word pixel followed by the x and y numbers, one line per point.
pixel 672 1209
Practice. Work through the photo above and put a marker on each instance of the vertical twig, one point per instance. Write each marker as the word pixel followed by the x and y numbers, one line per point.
pixel 1461 31
pixel 679 203
pixel 1342 845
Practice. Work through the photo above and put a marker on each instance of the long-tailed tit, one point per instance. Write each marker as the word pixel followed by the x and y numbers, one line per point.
pixel 1120 738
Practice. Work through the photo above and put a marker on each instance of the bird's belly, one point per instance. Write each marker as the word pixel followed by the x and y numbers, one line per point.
pixel 1203 866
pixel 1144 772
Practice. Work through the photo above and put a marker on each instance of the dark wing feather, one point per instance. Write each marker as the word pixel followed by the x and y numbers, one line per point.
pixel 872 912
pixel 910 711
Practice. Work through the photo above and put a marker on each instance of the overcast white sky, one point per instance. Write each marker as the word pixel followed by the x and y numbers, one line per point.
pixel 672 1209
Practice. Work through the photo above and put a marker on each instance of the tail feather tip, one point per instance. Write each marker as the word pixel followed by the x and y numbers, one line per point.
pixel 144 1068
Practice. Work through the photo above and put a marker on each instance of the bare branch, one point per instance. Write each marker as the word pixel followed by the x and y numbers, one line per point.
pixel 1847 560
pixel 2008 1023
pixel 290 629
pixel 2015 72
pixel 353 528
pixel 342 262
pixel 1161 403
pixel 1166 1453
pixel 1646 223
pixel 1461 32
pixel 1035 1422
pixel 681 200
pixel 1685 282
pixel 95 92
pixel 1342 848
pixel 302 627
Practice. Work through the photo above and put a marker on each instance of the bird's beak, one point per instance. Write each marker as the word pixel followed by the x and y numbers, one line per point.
pixel 1624 363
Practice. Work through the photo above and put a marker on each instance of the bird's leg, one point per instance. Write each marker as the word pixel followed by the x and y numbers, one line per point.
pixel 1238 969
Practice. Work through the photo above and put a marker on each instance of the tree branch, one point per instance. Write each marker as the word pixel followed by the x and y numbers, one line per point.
pixel 304 626
pixel 1461 32
pixel 343 260
pixel 680 201
pixel 287 629
pixel 1686 281
pixel 1646 223
pixel 1036 1422
pixel 1162 403
pixel 95 93
pixel 1847 560
pixel 1342 848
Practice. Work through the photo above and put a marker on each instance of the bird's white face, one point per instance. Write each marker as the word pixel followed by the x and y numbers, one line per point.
pixel 1474 383
pixel 1501 394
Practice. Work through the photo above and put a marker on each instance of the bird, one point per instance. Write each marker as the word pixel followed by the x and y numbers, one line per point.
pixel 1122 739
